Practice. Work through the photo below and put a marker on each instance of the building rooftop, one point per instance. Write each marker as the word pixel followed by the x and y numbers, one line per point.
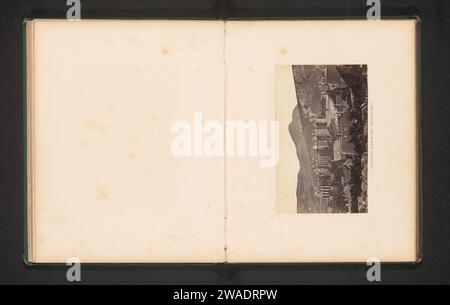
pixel 333 76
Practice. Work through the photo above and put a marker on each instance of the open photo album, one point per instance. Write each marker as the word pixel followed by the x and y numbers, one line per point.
pixel 194 141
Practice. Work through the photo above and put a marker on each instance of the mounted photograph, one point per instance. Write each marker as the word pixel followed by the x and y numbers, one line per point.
pixel 328 136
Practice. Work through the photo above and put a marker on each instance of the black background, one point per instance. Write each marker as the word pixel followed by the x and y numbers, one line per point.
pixel 435 268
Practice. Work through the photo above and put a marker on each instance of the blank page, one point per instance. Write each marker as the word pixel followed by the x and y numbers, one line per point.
pixel 106 186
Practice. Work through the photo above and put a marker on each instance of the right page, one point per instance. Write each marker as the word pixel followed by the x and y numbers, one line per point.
pixel 324 167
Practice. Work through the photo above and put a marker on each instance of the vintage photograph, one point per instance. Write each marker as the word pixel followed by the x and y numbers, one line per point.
pixel 329 129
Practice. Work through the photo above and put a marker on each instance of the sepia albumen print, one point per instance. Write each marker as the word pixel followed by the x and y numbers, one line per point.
pixel 329 129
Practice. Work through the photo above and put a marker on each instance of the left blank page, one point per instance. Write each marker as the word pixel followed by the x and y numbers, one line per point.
pixel 107 187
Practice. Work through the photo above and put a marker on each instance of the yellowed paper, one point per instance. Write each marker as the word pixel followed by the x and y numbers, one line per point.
pixel 108 188
pixel 263 223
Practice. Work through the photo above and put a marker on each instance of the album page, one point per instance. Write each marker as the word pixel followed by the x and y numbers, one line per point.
pixel 338 101
pixel 114 174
